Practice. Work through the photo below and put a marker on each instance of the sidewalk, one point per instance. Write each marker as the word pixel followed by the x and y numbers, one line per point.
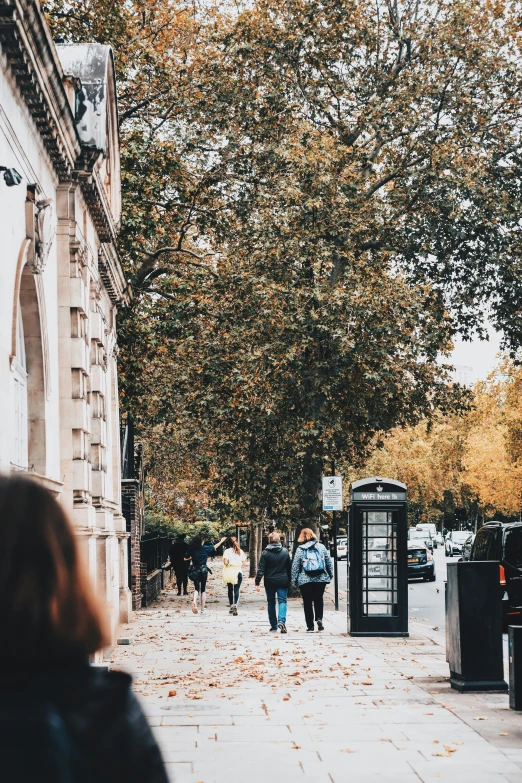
pixel 249 706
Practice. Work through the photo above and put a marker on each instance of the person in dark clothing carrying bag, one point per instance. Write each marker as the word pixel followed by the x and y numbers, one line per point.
pixel 177 552
pixel 275 567
pixel 61 719
pixel 312 570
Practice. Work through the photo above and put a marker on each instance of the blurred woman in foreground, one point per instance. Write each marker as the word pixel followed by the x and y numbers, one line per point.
pixel 61 720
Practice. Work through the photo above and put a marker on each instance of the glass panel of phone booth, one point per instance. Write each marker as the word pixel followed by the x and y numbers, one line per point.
pixel 379 559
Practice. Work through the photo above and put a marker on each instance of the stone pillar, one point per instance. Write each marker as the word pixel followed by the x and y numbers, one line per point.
pixel 74 358
pixel 88 438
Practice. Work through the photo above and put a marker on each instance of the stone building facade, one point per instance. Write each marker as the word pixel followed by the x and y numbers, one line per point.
pixel 61 283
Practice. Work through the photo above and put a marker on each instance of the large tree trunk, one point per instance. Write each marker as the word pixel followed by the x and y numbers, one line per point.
pixel 254 549
pixel 259 542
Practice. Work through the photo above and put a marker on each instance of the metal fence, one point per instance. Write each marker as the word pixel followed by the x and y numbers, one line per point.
pixel 154 552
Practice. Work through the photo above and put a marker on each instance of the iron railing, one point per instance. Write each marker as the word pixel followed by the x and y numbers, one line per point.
pixel 154 552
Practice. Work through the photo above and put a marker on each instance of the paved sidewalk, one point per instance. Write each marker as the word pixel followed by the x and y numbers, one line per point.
pixel 250 706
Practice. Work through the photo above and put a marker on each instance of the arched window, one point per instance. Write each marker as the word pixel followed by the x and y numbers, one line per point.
pixel 19 455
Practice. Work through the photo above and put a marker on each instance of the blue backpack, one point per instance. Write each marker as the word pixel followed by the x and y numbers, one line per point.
pixel 313 562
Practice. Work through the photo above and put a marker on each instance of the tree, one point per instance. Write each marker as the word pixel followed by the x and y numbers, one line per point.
pixel 470 463
pixel 490 471
pixel 307 187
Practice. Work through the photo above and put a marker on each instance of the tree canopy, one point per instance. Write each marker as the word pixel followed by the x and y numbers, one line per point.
pixel 471 462
pixel 317 195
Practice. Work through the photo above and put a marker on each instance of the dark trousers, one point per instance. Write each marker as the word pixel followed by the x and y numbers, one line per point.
pixel 233 590
pixel 181 571
pixel 312 594
pixel 200 585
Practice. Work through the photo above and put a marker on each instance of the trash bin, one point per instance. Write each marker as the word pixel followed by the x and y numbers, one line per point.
pixel 515 666
pixel 474 627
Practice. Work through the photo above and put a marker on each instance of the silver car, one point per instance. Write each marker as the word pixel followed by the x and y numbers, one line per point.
pixel 455 541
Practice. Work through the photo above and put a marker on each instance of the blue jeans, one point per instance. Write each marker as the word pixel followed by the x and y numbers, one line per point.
pixel 281 593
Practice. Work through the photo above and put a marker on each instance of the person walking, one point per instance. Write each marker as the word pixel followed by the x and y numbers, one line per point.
pixel 233 559
pixel 312 570
pixel 197 555
pixel 177 552
pixel 61 719
pixel 275 568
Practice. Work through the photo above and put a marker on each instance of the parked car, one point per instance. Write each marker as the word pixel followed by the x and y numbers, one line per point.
pixel 342 548
pixel 455 541
pixel 430 528
pixel 421 564
pixel 503 542
pixel 467 547
pixel 420 536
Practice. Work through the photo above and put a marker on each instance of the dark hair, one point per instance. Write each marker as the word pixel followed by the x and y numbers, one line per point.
pixel 232 543
pixel 182 535
pixel 47 605
pixel 196 541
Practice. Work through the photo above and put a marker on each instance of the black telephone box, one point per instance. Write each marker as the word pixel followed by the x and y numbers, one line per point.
pixel 377 558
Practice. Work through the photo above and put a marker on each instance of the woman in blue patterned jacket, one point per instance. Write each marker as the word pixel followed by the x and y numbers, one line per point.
pixel 311 571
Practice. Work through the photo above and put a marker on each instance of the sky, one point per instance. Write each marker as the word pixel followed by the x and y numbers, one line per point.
pixel 480 355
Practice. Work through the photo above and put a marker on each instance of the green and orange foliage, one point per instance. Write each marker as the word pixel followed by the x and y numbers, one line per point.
pixel 492 469
pixel 427 458
pixel 307 186
pixel 475 457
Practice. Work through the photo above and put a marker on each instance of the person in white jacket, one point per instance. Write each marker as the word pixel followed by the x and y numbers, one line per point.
pixel 233 559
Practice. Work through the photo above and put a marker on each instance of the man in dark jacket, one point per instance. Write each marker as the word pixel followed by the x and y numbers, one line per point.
pixel 177 554
pixel 275 567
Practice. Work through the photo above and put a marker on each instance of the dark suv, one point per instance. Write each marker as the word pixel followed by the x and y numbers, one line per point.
pixel 503 542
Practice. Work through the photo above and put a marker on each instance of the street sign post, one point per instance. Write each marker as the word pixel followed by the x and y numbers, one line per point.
pixel 333 501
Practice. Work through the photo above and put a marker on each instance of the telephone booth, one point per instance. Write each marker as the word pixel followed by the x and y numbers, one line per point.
pixel 378 558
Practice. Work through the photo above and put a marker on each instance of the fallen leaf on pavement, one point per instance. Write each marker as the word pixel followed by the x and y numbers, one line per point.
pixel 173 693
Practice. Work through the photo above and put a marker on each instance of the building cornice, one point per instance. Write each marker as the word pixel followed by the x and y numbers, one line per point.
pixel 96 199
pixel 27 44
pixel 112 276
pixel 34 60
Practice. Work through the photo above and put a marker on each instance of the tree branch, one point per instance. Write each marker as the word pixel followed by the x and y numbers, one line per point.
pixel 147 270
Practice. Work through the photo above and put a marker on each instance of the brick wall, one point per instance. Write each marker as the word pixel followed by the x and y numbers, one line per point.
pixel 152 584
pixel 132 511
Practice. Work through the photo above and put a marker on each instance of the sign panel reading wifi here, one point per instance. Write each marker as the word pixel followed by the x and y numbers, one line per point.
pixel 332 493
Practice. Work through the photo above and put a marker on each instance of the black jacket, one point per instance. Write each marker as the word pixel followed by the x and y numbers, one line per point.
pixel 275 566
pixel 106 731
pixel 177 553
